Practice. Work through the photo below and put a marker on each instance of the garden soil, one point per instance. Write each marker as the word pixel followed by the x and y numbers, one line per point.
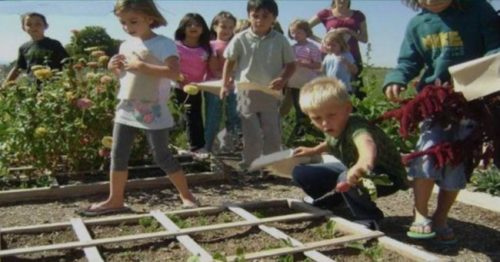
pixel 478 230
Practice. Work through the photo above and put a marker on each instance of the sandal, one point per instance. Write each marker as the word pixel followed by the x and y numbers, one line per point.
pixel 421 234
pixel 92 212
pixel 445 236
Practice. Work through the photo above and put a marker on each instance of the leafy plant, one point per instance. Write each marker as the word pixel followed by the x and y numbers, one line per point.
pixel 181 223
pixel 374 252
pixel 327 231
pixel 487 181
pixel 149 224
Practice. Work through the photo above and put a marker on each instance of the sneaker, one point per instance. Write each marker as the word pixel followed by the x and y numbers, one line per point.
pixel 309 200
pixel 200 154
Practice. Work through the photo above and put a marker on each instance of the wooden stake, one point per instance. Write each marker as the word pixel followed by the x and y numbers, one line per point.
pixel 278 234
pixel 82 233
pixel 308 246
pixel 164 234
pixel 387 242
pixel 187 241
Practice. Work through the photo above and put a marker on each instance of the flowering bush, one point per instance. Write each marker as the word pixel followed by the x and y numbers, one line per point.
pixel 62 122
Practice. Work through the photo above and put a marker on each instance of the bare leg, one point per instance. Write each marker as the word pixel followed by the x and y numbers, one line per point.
pixel 445 201
pixel 116 199
pixel 180 182
pixel 422 190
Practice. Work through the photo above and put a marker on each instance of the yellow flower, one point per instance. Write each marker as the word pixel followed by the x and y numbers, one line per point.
pixel 43 74
pixel 191 89
pixel 10 83
pixel 103 60
pixel 40 132
pixel 70 96
pixel 107 141
pixel 91 76
pixel 97 53
pixel 37 67
pixel 92 48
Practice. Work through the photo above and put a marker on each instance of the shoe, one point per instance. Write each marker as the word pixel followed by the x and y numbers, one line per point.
pixel 309 200
pixel 90 212
pixel 421 234
pixel 200 154
pixel 445 236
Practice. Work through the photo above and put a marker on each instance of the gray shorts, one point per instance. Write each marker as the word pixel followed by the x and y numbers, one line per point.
pixel 451 178
pixel 123 139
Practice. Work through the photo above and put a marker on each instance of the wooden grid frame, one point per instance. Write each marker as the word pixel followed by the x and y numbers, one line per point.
pixel 355 232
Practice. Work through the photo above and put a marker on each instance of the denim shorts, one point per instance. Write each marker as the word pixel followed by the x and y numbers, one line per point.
pixel 451 178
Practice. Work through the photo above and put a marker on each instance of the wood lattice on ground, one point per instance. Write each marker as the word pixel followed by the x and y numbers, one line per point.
pixel 298 211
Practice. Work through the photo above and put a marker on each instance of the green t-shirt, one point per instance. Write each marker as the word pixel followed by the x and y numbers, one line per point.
pixel 388 159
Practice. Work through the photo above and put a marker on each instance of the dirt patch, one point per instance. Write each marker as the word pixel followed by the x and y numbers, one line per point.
pixel 478 230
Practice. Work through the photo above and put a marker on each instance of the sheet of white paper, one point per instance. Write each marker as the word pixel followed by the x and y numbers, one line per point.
pixel 283 162
pixel 257 87
pixel 477 78
pixel 212 86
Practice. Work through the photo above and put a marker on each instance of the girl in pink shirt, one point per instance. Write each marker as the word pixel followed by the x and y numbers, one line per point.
pixel 221 30
pixel 193 44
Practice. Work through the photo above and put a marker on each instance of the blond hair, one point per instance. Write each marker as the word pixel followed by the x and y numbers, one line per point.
pixel 241 25
pixel 322 90
pixel 302 25
pixel 146 7
pixel 338 38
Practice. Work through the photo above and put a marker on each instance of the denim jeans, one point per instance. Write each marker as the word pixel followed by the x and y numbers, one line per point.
pixel 318 179
pixel 213 116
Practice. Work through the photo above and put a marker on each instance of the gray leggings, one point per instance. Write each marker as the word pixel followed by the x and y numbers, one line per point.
pixel 123 138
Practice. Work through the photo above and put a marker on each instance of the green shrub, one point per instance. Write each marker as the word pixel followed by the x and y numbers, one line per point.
pixel 487 181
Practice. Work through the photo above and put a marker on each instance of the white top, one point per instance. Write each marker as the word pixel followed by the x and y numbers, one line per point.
pixel 146 113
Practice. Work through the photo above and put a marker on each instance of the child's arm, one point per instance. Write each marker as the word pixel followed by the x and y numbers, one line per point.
pixel 279 82
pixel 227 71
pixel 309 151
pixel 367 150
pixel 349 64
pixel 11 76
pixel 170 68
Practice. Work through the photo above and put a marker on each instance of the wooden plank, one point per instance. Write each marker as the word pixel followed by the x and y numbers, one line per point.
pixel 22 195
pixel 308 246
pixel 83 234
pixel 276 233
pixel 111 220
pixel 186 240
pixel 164 234
pixel 401 248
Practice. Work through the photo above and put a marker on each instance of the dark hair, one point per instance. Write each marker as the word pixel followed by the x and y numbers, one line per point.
pixel 348 4
pixel 300 24
pixel 219 17
pixel 33 14
pixel 269 5
pixel 180 32
pixel 146 7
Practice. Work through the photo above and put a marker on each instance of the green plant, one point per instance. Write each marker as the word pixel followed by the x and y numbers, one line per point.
pixel 181 223
pixel 286 258
pixel 487 181
pixel 91 36
pixel 374 252
pixel 149 224
pixel 327 231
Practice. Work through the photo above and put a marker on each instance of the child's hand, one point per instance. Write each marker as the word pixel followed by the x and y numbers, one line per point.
pixel 133 63
pixel 304 151
pixel 277 83
pixel 393 92
pixel 355 173
pixel 116 62
pixel 225 90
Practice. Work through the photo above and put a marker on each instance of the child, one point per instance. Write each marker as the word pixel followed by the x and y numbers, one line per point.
pixel 445 33
pixel 222 29
pixel 308 62
pixel 193 45
pixel 40 50
pixel 362 147
pixel 138 18
pixel 338 62
pixel 263 56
